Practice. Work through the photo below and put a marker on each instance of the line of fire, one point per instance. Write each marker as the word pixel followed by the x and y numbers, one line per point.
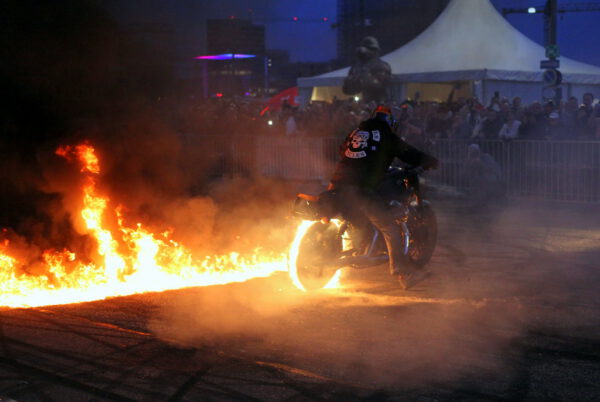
pixel 295 200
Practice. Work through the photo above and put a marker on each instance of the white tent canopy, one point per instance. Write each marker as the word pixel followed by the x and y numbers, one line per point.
pixel 471 41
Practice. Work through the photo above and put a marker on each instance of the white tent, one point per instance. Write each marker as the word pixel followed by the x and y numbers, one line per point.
pixel 470 43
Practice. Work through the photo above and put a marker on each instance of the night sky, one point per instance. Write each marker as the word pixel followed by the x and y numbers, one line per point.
pixel 308 39
pixel 578 33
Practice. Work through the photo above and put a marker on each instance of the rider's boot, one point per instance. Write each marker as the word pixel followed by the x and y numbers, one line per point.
pixel 407 281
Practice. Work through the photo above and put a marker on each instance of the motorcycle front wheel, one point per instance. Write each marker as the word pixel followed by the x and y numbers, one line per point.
pixel 312 260
pixel 423 236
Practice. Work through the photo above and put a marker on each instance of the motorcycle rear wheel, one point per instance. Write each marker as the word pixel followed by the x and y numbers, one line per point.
pixel 319 248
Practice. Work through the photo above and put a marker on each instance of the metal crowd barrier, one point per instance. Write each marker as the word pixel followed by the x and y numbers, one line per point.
pixel 287 158
pixel 548 170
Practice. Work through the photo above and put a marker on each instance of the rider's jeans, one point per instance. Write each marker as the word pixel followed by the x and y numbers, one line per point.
pixel 354 201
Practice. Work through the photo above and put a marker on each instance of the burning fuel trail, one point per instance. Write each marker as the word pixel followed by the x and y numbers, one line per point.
pixel 129 259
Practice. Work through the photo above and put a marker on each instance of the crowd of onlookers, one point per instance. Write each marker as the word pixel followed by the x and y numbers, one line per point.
pixel 464 118
pixel 249 116
pixel 504 119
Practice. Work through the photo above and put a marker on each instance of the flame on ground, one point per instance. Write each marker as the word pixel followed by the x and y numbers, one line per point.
pixel 133 260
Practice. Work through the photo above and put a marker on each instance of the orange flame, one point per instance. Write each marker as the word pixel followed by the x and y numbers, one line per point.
pixel 133 260
pixel 85 153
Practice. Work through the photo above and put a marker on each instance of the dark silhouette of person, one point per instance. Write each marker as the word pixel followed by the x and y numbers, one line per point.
pixel 369 75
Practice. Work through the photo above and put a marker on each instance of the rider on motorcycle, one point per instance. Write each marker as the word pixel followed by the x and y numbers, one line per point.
pixel 366 156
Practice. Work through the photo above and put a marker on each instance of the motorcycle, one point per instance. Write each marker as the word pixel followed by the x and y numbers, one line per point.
pixel 329 241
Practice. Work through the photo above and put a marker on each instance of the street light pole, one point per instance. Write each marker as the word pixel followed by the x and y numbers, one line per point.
pixel 551 76
pixel 550 12
pixel 205 79
pixel 266 88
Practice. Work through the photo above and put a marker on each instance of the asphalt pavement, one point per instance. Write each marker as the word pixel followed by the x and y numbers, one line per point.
pixel 511 312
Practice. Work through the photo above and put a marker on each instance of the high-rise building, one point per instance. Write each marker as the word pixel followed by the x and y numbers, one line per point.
pixel 392 22
pixel 234 35
pixel 235 76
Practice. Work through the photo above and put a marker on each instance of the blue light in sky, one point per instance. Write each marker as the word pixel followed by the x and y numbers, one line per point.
pixel 226 56
pixel 311 38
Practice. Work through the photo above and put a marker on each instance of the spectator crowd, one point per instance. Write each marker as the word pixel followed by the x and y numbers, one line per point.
pixel 418 122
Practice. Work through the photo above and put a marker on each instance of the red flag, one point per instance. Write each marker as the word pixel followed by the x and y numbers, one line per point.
pixel 289 95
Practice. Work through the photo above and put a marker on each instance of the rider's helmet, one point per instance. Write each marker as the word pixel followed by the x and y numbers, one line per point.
pixel 384 113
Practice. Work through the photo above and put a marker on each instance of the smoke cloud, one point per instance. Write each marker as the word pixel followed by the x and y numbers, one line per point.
pixel 113 91
pixel 491 286
pixel 356 337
